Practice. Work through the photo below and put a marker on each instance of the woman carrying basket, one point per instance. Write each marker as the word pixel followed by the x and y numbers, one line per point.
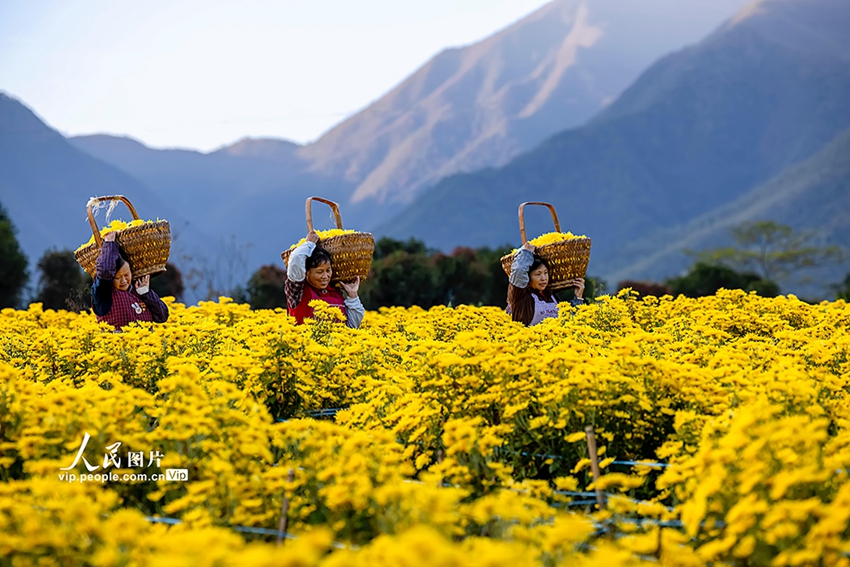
pixel 529 300
pixel 308 277
pixel 115 300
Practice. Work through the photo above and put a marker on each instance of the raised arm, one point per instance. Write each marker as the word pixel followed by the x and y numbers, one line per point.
pixel 296 271
pixel 158 309
pixel 101 289
pixel 523 258
pixel 105 267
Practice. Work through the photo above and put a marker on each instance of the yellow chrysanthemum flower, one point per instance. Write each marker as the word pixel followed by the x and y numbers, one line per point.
pixel 324 234
pixel 552 237
pixel 115 225
pixel 460 440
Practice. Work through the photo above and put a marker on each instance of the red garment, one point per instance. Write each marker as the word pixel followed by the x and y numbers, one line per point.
pixel 303 310
pixel 126 308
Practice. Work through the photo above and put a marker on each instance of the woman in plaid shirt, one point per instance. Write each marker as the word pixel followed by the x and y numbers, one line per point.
pixel 115 300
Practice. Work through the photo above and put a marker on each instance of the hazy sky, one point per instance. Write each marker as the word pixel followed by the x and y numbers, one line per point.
pixel 203 73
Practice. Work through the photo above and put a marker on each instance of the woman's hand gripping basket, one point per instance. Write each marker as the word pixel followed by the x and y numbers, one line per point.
pixel 351 252
pixel 566 254
pixel 147 244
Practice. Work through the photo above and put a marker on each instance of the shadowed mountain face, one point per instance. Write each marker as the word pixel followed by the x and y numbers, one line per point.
pixel 814 194
pixel 45 183
pixel 697 130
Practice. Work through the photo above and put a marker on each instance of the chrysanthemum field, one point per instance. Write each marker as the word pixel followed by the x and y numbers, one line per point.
pixel 440 438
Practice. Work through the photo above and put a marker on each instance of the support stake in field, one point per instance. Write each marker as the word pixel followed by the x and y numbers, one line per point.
pixel 594 466
pixel 284 510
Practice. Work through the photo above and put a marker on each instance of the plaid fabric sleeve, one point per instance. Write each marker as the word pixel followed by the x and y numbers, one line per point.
pixel 105 265
pixel 296 274
pixel 294 291
pixel 158 309
pixel 101 296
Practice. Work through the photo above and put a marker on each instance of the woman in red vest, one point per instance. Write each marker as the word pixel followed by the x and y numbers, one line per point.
pixel 115 300
pixel 308 277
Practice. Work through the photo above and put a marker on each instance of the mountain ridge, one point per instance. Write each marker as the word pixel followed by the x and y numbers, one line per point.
pixel 482 104
pixel 697 130
pixel 43 179
pixel 789 198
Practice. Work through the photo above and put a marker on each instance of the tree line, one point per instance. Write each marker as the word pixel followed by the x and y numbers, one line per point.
pixel 764 256
pixel 407 273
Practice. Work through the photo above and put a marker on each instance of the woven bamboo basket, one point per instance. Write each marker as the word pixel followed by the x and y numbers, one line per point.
pixel 147 246
pixel 567 259
pixel 351 253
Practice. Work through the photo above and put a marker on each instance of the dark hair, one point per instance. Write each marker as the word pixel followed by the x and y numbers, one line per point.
pixel 520 300
pixel 122 259
pixel 537 262
pixel 318 257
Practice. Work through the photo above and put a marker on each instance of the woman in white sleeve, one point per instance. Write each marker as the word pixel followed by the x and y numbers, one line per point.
pixel 529 298
pixel 308 277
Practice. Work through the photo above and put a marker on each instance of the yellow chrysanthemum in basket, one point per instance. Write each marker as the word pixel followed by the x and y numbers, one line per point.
pixel 552 237
pixel 112 227
pixel 324 234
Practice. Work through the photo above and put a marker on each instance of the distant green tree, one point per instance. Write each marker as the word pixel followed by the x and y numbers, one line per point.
pixel 265 289
pixel 408 273
pixel 705 279
pixel 169 282
pixel 594 286
pixel 461 278
pixel 239 294
pixel 774 251
pixel 402 279
pixel 13 264
pixel 843 289
pixel 386 246
pixel 494 290
pixel 645 288
pixel 62 283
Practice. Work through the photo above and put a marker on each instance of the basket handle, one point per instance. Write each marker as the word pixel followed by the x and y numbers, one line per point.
pixel 522 217
pixel 95 231
pixel 334 207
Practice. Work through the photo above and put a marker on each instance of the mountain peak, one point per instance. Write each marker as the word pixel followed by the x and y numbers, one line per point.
pixel 482 104
pixel 698 131
pixel 752 9
pixel 806 26
pixel 125 142
pixel 18 118
pixel 271 149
